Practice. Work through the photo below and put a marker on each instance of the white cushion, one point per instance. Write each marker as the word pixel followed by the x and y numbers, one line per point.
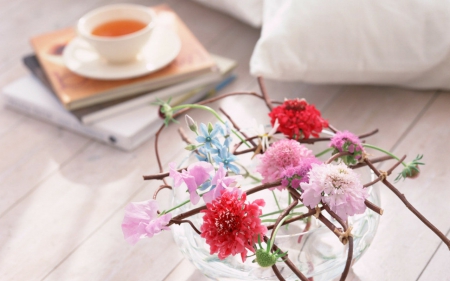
pixel 401 42
pixel 248 11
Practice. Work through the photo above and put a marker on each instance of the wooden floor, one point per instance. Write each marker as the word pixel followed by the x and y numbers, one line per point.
pixel 62 195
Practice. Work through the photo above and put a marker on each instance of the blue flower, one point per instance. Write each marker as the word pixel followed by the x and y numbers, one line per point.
pixel 203 153
pixel 226 158
pixel 209 138
pixel 227 134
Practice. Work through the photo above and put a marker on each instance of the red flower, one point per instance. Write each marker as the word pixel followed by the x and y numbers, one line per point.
pixel 298 119
pixel 231 226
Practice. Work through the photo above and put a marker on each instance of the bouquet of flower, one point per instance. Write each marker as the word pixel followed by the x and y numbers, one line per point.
pixel 328 189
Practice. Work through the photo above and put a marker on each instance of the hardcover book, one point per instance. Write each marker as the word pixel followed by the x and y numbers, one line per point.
pixel 75 91
pixel 94 113
pixel 126 130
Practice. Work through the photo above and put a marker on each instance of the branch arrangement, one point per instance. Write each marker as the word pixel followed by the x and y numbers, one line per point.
pixel 329 190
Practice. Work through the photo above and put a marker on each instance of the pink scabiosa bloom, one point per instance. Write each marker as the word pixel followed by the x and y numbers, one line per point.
pixel 141 220
pixel 195 175
pixel 336 185
pixel 280 156
pixel 294 175
pixel 347 141
pixel 231 226
pixel 219 183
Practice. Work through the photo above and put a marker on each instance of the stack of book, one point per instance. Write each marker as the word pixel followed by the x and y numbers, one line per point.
pixel 118 112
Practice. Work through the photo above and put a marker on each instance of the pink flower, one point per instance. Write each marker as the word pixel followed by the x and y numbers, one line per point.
pixel 336 185
pixel 219 183
pixel 295 175
pixel 141 220
pixel 231 226
pixel 281 155
pixel 347 141
pixel 195 175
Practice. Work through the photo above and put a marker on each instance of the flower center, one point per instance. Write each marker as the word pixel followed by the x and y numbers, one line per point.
pixel 226 223
pixel 208 139
pixel 296 105
pixel 226 162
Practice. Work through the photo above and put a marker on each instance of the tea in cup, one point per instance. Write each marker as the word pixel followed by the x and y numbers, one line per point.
pixel 118 32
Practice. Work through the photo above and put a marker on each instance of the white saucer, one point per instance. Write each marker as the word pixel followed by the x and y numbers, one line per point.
pixel 162 48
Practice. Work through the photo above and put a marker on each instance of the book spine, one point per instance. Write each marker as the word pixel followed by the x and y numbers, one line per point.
pixel 71 124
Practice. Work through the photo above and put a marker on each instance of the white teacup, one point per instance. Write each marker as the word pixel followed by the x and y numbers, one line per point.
pixel 123 48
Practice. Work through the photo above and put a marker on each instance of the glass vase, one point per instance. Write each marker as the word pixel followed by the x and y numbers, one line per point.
pixel 311 246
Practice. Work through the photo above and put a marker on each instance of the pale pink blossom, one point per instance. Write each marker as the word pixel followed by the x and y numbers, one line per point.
pixel 219 183
pixel 336 185
pixel 195 175
pixel 141 220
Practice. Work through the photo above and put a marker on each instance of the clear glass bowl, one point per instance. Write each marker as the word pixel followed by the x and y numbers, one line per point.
pixel 317 252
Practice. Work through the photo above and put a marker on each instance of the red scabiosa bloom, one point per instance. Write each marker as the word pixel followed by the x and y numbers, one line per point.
pixel 298 119
pixel 231 226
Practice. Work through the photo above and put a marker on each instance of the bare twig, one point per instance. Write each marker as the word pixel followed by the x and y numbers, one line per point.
pixel 288 262
pixel 373 207
pixel 161 187
pixel 184 137
pixel 402 197
pixel 277 273
pixel 236 126
pixel 262 87
pixel 186 221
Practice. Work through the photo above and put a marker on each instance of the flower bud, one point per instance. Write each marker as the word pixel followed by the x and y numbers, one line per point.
pixel 413 172
pixel 165 111
pixel 191 123
pixel 210 128
pixel 191 147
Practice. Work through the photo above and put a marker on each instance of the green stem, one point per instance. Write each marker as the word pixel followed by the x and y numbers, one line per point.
pixel 276 200
pixel 247 173
pixel 382 150
pixel 277 212
pixel 325 151
pixel 213 112
pixel 176 207
pixel 269 246
pixel 290 216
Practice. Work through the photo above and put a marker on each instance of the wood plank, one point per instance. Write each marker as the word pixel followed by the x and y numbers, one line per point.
pixel 438 268
pixel 27 163
pixel 403 245
pixel 114 258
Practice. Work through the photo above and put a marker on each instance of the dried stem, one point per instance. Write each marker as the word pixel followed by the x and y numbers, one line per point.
pixel 368 134
pixel 184 136
pixel 161 187
pixel 336 217
pixel 337 155
pixel 402 197
pixel 348 264
pixel 262 87
pixel 187 214
pixel 236 126
pixel 333 129
pixel 373 160
pixel 160 176
pixel 296 218
pixel 373 207
pixel 288 262
pixel 179 222
pixel 277 273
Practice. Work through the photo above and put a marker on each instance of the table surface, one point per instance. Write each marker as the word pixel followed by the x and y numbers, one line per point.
pixel 62 195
